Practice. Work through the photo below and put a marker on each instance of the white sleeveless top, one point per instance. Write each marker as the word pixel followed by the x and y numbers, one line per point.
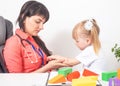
pixel 91 61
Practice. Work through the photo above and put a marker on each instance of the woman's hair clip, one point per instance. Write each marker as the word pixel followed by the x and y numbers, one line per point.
pixel 88 25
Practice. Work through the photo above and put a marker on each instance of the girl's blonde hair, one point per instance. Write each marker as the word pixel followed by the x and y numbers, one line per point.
pixel 93 33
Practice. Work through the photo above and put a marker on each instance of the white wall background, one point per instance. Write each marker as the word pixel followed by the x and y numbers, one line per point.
pixel 64 14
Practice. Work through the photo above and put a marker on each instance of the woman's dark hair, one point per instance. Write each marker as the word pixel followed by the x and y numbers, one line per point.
pixel 31 8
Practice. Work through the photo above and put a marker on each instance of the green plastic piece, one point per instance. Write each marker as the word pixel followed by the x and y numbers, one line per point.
pixel 65 71
pixel 107 75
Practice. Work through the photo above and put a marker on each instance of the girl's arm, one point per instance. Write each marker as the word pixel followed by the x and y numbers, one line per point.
pixel 68 61
pixel 71 61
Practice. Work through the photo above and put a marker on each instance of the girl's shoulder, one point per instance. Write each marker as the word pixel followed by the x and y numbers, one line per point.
pixel 89 50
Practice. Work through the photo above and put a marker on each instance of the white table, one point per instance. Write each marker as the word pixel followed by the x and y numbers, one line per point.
pixel 23 79
pixel 31 79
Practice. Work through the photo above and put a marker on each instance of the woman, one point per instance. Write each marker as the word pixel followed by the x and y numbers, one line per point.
pixel 25 52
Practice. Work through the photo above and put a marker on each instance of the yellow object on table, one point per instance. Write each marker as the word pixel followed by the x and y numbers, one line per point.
pixel 84 81
pixel 92 77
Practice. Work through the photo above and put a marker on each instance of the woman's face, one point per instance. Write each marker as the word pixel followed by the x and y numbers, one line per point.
pixel 34 24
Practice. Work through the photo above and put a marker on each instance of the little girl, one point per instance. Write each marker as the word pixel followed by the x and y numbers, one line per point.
pixel 86 35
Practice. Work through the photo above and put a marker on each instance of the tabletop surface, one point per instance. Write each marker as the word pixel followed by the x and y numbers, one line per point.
pixel 32 79
pixel 23 79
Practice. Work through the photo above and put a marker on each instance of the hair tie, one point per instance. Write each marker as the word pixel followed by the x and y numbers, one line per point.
pixel 88 25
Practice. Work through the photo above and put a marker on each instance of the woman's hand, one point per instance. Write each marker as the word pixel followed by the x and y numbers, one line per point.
pixel 51 65
pixel 55 62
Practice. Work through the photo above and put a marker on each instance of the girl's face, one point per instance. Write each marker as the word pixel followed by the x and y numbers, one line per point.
pixel 83 42
pixel 34 24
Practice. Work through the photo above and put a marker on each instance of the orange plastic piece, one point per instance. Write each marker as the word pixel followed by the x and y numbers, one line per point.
pixel 87 72
pixel 73 75
pixel 118 74
pixel 57 79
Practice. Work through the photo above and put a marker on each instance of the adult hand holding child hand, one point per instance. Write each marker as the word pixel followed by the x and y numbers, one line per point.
pixel 59 61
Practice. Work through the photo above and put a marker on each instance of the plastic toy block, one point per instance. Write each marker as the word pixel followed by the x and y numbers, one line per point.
pixel 118 73
pixel 114 82
pixel 73 75
pixel 57 79
pixel 83 81
pixel 92 77
pixel 65 71
pixel 107 75
pixel 87 72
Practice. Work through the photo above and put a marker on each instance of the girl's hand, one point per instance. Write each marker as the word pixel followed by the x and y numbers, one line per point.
pixel 60 59
pixel 54 64
pixel 56 57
